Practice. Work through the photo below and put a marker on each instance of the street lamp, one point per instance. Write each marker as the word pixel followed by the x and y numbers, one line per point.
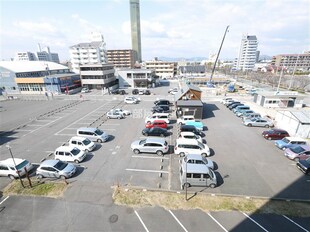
pixel 8 147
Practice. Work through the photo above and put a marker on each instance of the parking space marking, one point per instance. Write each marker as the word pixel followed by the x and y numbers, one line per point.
pixel 217 222
pixel 177 220
pixel 35 124
pixel 22 130
pixel 66 134
pixel 295 223
pixel 149 157
pixel 82 123
pixel 144 170
pixel 255 222
pixel 111 124
pixel 141 221
pixel 4 200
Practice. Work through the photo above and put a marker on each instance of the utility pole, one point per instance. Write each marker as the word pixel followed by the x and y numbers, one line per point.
pixel 218 54
pixel 8 147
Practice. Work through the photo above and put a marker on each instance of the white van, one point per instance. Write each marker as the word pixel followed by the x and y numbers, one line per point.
pixel 197 175
pixel 69 154
pixel 190 135
pixel 94 134
pixel 82 143
pixel 158 116
pixel 197 159
pixel 191 146
pixel 7 167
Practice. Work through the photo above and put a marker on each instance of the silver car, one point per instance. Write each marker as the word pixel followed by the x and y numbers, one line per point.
pixel 260 122
pixel 114 114
pixel 157 146
pixel 55 169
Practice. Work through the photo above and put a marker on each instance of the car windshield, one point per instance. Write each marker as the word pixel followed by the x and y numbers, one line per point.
pixel 201 144
pixel 99 132
pixel 86 141
pixel 297 149
pixel 60 165
pixel 204 159
pixel 308 160
pixel 211 173
pixel 75 151
pixel 142 141
pixel 285 140
pixel 22 165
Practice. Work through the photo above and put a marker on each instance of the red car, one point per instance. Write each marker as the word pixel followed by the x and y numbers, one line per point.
pixel 157 123
pixel 275 134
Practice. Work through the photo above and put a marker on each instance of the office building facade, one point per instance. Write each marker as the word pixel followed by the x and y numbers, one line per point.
pixel 41 55
pixel 297 62
pixel 163 69
pixel 135 29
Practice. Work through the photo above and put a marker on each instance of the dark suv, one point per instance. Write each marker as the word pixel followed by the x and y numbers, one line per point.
pixel 275 134
pixel 135 91
pixel 190 128
pixel 119 91
pixel 162 102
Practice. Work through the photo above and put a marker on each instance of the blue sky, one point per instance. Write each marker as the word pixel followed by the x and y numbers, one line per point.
pixel 169 28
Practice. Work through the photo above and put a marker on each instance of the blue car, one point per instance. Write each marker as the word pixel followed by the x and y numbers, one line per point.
pixel 199 125
pixel 289 142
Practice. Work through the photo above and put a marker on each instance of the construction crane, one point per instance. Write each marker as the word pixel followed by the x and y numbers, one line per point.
pixel 218 54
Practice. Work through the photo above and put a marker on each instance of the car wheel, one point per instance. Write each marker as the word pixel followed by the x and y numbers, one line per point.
pixel 249 124
pixel 119 117
pixel 146 134
pixel 136 151
pixel 62 177
pixel 108 117
pixel 39 176
pixel 267 126
pixel 204 155
pixel 76 161
pixel 148 122
pixel 159 153
pixel 99 140
pixel 86 150
pixel 182 154
pixel 11 177
pixel 283 148
pixel 212 185
pixel 296 159
pixel 162 135
pixel 269 138
pixel 186 185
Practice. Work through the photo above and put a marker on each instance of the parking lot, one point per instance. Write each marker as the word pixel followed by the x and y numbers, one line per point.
pixel 246 163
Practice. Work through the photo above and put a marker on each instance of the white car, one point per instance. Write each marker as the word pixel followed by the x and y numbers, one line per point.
pixel 124 112
pixel 185 118
pixel 190 135
pixel 7 167
pixel 69 154
pixel 131 100
pixel 197 160
pixel 82 143
pixel 158 116
pixel 226 99
pixel 173 92
pixel 85 90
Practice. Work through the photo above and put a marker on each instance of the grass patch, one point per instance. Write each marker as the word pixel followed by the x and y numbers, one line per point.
pixel 39 188
pixel 207 203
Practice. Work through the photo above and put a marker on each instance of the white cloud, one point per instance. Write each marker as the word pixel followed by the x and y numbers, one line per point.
pixel 35 26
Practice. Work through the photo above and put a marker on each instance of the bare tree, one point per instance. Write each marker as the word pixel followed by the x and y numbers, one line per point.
pixel 303 82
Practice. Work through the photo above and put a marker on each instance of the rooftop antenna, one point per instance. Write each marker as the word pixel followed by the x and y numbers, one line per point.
pixel 218 54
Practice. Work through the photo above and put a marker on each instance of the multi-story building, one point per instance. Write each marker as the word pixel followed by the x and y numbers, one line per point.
pixel 121 58
pixel 293 61
pixel 136 78
pixel 88 53
pixel 36 77
pixel 247 54
pixel 42 55
pixel 135 29
pixel 163 69
pixel 98 76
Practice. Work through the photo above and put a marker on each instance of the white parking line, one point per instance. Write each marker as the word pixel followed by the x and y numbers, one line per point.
pixel 111 124
pixel 217 222
pixel 35 125
pixel 144 170
pixel 141 221
pixel 4 200
pixel 66 134
pixel 178 221
pixel 82 123
pixel 149 157
pixel 295 223
pixel 22 130
pixel 255 222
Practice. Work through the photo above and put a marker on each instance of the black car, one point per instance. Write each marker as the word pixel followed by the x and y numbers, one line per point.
pixel 135 91
pixel 304 165
pixel 161 109
pixel 119 91
pixel 231 107
pixel 162 102
pixel 190 128
pixel 155 131
pixel 234 102
pixel 147 92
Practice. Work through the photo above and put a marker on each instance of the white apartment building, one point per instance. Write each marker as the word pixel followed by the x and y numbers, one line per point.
pixel 136 78
pixel 93 52
pixel 41 55
pixel 247 54
pixel 163 69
